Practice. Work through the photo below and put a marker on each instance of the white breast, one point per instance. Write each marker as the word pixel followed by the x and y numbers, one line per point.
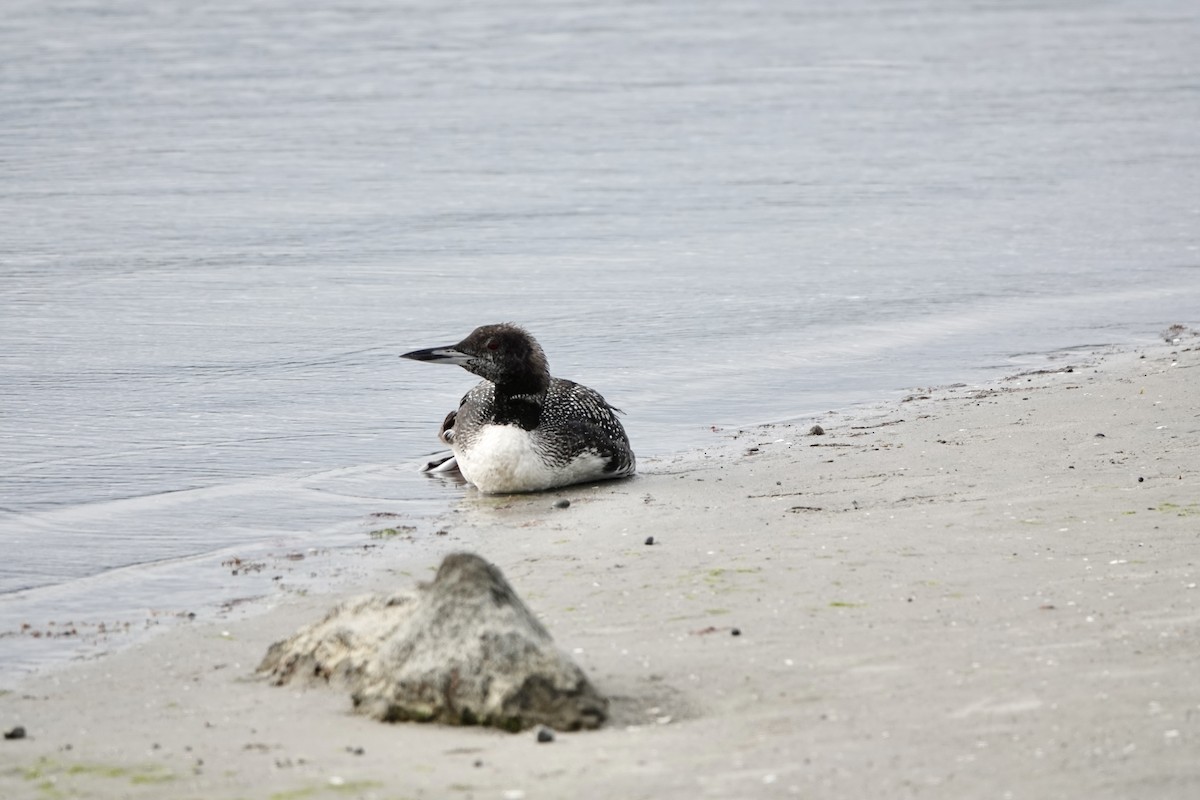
pixel 502 459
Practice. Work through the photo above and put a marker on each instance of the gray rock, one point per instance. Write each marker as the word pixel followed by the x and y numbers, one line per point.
pixel 462 650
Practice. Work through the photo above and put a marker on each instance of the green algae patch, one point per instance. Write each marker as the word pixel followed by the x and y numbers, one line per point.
pixel 54 779
pixel 344 787
pixel 844 604
pixel 48 790
pixel 391 533
pixel 99 770
pixel 142 778
pixel 295 794
pixel 1190 510
pixel 714 576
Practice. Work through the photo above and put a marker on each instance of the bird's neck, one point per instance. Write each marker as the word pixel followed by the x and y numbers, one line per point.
pixel 522 409
pixel 526 383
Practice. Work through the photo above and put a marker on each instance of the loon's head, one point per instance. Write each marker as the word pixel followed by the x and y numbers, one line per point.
pixel 504 354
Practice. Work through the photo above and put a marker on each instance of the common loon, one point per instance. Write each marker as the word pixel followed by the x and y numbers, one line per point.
pixel 520 430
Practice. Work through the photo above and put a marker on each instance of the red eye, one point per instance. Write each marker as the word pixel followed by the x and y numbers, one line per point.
pixel 492 344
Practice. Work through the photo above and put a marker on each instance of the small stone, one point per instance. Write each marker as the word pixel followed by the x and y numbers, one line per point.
pixel 1100 436
pixel 479 762
pixel 649 540
pixel 358 751
pixel 1141 480
pixel 816 430
pixel 545 735
pixel 736 632
pixel 563 503
pixel 16 733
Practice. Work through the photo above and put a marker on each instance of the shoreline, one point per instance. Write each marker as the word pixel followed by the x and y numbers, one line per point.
pixel 56 633
pixel 968 592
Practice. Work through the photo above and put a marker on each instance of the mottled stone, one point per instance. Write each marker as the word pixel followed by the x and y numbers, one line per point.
pixel 462 650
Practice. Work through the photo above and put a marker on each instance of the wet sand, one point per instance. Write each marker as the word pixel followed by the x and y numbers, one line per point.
pixel 977 592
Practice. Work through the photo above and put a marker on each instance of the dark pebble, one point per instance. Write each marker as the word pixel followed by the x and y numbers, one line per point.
pixel 1100 436
pixel 1140 480
pixel 564 503
pixel 736 631
pixel 816 430
pixel 479 762
pixel 545 735
pixel 358 751
pixel 16 733
pixel 649 540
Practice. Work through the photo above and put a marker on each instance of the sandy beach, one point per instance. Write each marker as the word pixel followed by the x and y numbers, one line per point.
pixel 980 591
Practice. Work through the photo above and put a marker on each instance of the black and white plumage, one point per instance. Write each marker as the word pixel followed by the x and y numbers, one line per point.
pixel 520 430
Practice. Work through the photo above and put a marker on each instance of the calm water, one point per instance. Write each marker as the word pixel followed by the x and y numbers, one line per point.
pixel 222 222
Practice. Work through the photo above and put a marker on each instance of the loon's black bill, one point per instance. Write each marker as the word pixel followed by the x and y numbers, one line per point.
pixel 444 355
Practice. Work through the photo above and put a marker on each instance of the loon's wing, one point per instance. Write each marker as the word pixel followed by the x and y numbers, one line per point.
pixel 599 438
pixel 592 425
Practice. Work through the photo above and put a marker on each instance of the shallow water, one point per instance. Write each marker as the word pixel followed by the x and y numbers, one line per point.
pixel 224 222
